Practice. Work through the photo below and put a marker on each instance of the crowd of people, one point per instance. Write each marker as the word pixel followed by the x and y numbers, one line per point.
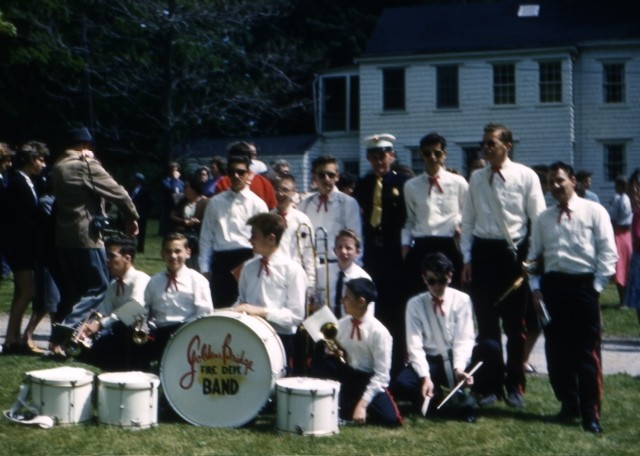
pixel 406 263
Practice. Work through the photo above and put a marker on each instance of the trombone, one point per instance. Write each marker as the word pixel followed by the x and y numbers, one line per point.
pixel 304 241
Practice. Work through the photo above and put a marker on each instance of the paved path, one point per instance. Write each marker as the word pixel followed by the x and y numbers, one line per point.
pixel 619 355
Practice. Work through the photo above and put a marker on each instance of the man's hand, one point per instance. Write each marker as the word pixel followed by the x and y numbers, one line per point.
pixel 461 375
pixel 250 309
pixel 466 273
pixel 360 412
pixel 131 228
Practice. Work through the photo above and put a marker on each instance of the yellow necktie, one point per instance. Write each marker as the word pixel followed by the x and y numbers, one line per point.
pixel 376 210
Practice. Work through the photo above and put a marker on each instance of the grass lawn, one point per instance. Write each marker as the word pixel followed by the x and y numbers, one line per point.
pixel 499 430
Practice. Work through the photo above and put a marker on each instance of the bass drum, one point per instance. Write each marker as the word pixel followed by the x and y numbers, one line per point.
pixel 220 370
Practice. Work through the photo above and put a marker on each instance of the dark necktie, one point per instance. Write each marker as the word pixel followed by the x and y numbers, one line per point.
pixel 171 280
pixel 120 289
pixel 564 209
pixel 433 181
pixel 323 199
pixel 337 302
pixel 355 328
pixel 264 265
pixel 437 305
pixel 495 169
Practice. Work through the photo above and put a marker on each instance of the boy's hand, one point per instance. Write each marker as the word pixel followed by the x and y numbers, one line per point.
pixel 360 412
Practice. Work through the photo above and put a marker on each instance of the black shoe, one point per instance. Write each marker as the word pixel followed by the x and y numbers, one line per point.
pixel 569 414
pixel 467 414
pixel 592 426
pixel 515 400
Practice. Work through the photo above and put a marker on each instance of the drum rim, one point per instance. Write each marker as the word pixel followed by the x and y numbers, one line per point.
pixel 77 376
pixel 325 386
pixel 132 383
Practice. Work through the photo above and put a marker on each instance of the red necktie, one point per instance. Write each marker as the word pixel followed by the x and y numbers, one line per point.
pixel 564 209
pixel 171 280
pixel 437 305
pixel 283 214
pixel 433 180
pixel 120 289
pixel 264 264
pixel 324 199
pixel 355 328
pixel 495 169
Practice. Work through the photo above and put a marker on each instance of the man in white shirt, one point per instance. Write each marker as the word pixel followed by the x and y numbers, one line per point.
pixel 503 199
pixel 576 244
pixel 111 350
pixel 224 233
pixel 296 242
pixel 329 208
pixel 434 202
pixel 272 286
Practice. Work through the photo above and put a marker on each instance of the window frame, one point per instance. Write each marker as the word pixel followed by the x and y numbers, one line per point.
pixel 447 86
pixel 349 114
pixel 550 82
pixel 394 97
pixel 504 91
pixel 609 88
pixel 614 168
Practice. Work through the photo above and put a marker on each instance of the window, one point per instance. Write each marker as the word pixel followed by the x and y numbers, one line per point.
pixel 447 87
pixel 550 82
pixel 615 163
pixel 504 84
pixel 393 89
pixel 340 104
pixel 613 82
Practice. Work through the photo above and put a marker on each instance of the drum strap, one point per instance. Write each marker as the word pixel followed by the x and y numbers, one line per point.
pixel 23 413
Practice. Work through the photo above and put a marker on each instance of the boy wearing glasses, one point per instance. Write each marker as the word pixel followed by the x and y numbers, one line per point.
pixel 224 233
pixel 440 341
pixel 434 202
pixel 329 208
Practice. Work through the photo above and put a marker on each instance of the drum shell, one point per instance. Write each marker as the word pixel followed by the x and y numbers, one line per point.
pixel 128 399
pixel 307 406
pixel 220 370
pixel 64 393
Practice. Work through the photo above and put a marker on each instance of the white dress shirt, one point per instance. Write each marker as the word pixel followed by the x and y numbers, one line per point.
pixel 581 244
pixel 433 213
pixel 521 198
pixel 282 292
pixel 342 212
pixel 225 223
pixel 167 305
pixel 424 327
pixel 353 271
pixel 290 245
pixel 134 284
pixel 371 353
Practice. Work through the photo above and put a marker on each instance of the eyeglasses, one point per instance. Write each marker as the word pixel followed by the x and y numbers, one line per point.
pixel 238 171
pixel 435 153
pixel 325 174
pixel 488 143
pixel 441 281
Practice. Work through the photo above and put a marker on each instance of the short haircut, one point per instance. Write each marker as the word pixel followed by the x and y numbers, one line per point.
pixel 219 162
pixel 175 237
pixel 238 158
pixel 583 174
pixel 268 223
pixel 5 151
pixel 437 263
pixel 241 148
pixel 559 165
pixel 363 288
pixel 324 160
pixel 289 177
pixel 346 180
pixel 173 165
pixel 30 150
pixel 125 246
pixel 505 134
pixel 195 184
pixel 348 234
pixel 433 139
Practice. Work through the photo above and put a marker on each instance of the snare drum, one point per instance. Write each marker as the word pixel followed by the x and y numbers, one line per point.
pixel 128 399
pixel 220 370
pixel 63 393
pixel 307 406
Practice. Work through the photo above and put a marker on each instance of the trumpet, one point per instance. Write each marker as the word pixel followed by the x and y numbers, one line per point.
pixel 80 340
pixel 329 332
pixel 140 334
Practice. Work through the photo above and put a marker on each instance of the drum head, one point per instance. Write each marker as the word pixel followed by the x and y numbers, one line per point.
pixel 62 376
pixel 220 370
pixel 129 380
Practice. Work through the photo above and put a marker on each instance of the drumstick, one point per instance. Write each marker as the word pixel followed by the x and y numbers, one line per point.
pixel 459 385
pixel 425 405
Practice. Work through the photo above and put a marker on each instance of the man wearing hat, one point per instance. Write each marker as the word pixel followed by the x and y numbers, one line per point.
pixel 380 195
pixel 142 201
pixel 81 186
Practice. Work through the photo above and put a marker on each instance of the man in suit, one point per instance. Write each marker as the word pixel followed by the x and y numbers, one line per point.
pixel 380 196
pixel 81 185
pixel 142 201
pixel 6 153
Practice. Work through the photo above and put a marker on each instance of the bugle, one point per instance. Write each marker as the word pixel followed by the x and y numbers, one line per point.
pixel 140 331
pixel 80 339
pixel 329 332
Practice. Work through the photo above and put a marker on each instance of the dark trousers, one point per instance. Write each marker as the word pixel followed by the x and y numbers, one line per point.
pixel 114 351
pixel 494 268
pixel 573 340
pixel 224 286
pixel 381 410
pixel 423 246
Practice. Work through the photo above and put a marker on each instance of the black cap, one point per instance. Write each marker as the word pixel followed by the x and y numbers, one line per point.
pixel 79 135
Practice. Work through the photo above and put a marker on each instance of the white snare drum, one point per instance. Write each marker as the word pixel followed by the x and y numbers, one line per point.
pixel 128 399
pixel 307 406
pixel 63 393
pixel 220 370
